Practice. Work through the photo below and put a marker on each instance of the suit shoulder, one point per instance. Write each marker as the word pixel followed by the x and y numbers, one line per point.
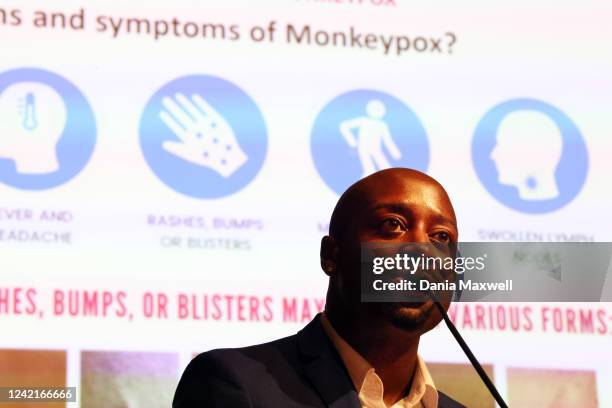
pixel 211 379
pixel 238 357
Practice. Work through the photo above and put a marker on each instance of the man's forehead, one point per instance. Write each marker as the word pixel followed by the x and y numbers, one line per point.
pixel 407 195
pixel 441 214
pixel 397 188
pixel 411 192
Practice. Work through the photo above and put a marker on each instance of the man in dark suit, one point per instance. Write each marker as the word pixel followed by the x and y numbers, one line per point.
pixel 354 354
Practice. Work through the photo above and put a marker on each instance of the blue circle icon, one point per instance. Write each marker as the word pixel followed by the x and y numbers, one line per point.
pixel 530 156
pixel 203 136
pixel 363 131
pixel 47 129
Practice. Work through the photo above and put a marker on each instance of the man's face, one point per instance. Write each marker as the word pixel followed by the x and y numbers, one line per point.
pixel 399 209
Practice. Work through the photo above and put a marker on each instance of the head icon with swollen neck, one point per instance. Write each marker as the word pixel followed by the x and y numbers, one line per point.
pixel 32 120
pixel 527 153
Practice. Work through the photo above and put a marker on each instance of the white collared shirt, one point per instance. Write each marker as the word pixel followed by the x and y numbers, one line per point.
pixel 423 393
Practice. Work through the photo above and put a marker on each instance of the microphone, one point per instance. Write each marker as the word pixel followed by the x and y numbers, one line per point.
pixel 483 375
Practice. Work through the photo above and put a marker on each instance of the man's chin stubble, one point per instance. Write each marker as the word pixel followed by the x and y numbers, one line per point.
pixel 411 316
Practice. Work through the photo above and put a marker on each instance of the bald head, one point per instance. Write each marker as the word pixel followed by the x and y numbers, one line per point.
pixel 373 188
pixel 394 206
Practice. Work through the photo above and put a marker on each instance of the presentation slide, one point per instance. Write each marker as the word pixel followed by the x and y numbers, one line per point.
pixel 168 169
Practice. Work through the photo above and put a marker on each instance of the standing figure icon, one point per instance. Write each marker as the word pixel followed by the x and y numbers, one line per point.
pixel 362 131
pixel 372 134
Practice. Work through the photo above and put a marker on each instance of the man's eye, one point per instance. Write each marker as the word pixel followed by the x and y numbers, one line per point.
pixel 392 225
pixel 442 237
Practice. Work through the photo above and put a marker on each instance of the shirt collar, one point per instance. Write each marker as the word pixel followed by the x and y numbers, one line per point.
pixel 423 388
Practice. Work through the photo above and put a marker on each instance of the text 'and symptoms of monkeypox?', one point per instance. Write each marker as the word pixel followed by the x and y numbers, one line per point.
pixel 272 31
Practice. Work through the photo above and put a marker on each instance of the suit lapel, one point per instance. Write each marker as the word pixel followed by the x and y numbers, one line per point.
pixel 324 368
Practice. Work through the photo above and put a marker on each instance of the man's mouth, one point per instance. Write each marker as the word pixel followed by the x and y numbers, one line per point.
pixel 415 304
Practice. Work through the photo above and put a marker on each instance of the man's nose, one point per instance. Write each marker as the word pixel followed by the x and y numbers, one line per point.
pixel 416 241
pixel 416 235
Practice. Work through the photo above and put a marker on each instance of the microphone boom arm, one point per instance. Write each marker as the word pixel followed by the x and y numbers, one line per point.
pixel 483 375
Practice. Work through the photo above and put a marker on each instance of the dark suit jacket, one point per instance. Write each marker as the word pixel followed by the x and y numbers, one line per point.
pixel 303 370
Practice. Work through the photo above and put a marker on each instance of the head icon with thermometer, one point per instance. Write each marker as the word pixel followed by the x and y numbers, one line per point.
pixel 32 120
pixel 47 129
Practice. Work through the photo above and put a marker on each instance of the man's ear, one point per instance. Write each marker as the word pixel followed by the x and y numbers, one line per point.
pixel 329 255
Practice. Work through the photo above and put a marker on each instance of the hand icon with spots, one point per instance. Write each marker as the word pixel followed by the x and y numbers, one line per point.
pixel 204 136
